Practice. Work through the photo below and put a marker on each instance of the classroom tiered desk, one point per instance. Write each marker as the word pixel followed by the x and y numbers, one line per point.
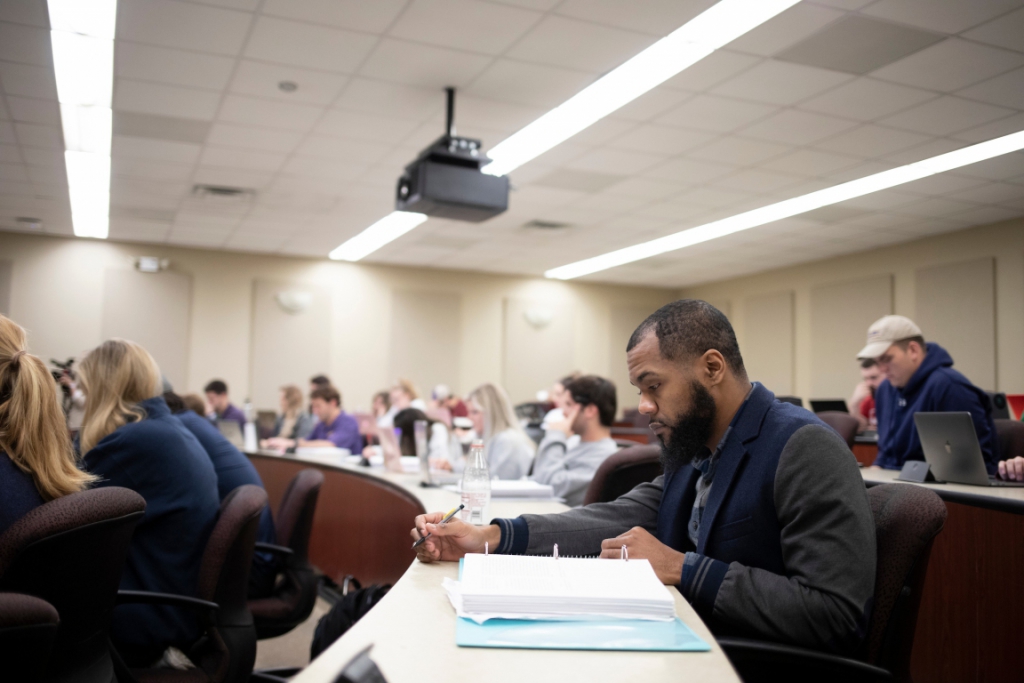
pixel 971 624
pixel 361 527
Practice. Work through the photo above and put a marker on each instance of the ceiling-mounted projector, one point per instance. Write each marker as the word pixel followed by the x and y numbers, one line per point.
pixel 446 180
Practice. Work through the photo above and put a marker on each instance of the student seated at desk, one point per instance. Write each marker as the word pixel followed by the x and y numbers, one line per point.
pixel 443 449
pixel 589 410
pixel 223 409
pixel 919 377
pixel 761 518
pixel 509 450
pixel 293 422
pixel 862 403
pixel 335 428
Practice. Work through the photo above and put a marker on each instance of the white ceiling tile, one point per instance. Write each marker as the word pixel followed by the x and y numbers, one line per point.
pixel 866 99
pixel 48 175
pixel 1011 124
pixel 35 156
pixel 982 215
pixel 657 17
pixel 464 24
pixel 263 80
pixel 1006 31
pixel 9 154
pixel 182 25
pixel 422 65
pixel 797 127
pixel 860 170
pixel 363 126
pixel 950 65
pixel 945 17
pixel 934 207
pixel 359 15
pixel 258 112
pixel 651 104
pixel 712 70
pixel 33 135
pixel 943 184
pixel 147 169
pixel 25 44
pixel 14 172
pixel 990 193
pixel 1000 168
pixel 870 140
pixel 165 100
pixel 378 97
pixel 602 132
pixel 172 67
pixel 739 151
pixel 301 44
pixel 946 115
pixel 933 147
pixel 31 110
pixel 714 197
pixel 615 161
pixel 246 137
pixel 657 139
pixel 30 12
pixel 529 84
pixel 347 150
pixel 1007 90
pixel 233 157
pixel 157 150
pixel 7 134
pixel 28 81
pixel 648 189
pixel 796 23
pixel 780 83
pixel 573 44
pixel 758 181
pixel 721 114
pixel 475 111
pixel 689 171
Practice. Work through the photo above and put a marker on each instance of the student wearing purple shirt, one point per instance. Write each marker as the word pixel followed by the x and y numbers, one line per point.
pixel 335 428
pixel 217 397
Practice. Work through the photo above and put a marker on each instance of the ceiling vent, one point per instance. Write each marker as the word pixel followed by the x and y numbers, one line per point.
pixel 223 194
pixel 545 225
pixel 27 223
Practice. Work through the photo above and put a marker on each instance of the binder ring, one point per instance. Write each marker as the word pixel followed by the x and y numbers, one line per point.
pixel 625 554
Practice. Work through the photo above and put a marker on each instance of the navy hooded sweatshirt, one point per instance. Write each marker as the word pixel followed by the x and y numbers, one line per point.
pixel 934 387
pixel 159 459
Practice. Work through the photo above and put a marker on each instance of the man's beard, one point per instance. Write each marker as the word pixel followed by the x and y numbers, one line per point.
pixel 689 435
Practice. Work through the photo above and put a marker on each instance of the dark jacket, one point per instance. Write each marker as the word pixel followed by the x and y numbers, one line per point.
pixel 18 493
pixel 160 460
pixel 935 387
pixel 786 545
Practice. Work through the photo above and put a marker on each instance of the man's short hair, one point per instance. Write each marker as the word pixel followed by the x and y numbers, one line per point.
pixel 175 403
pixel 320 381
pixel 217 386
pixel 327 394
pixel 904 344
pixel 868 363
pixel 689 328
pixel 597 391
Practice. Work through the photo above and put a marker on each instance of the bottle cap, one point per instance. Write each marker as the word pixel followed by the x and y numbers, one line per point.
pixel 477 443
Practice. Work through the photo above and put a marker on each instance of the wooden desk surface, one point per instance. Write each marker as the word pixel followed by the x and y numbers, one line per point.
pixel 413 627
pixel 1004 499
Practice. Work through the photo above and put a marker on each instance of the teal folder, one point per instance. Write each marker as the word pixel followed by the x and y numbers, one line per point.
pixel 604 634
pixel 610 634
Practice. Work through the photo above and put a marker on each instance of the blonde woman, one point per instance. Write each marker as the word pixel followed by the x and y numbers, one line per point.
pixel 509 450
pixel 129 438
pixel 37 463
pixel 293 422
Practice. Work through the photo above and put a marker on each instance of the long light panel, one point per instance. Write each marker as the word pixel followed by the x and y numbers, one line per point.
pixel 387 229
pixel 793 207
pixel 82 36
pixel 684 47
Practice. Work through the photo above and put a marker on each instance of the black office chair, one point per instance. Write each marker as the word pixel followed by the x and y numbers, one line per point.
pixel 795 400
pixel 70 552
pixel 844 424
pixel 28 627
pixel 1010 438
pixel 907 520
pixel 623 471
pixel 1000 406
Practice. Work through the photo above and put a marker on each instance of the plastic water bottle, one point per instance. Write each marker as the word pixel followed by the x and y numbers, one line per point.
pixel 476 486
pixel 249 440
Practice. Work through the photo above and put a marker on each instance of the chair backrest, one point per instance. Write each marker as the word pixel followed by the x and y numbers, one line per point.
pixel 28 627
pixel 846 425
pixel 636 418
pixel 907 520
pixel 70 552
pixel 795 400
pixel 295 514
pixel 621 472
pixel 224 579
pixel 1010 435
pixel 1000 406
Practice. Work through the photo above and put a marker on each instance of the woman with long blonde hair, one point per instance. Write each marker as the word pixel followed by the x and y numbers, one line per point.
pixel 37 463
pixel 129 438
pixel 293 422
pixel 509 450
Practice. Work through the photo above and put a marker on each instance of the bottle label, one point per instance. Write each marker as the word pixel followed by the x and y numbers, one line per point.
pixel 476 503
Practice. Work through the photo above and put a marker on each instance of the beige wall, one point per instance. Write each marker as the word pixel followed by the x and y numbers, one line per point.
pixel 981 321
pixel 57 293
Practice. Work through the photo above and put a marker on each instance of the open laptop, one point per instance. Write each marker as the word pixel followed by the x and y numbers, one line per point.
pixel 232 431
pixel 952 450
pixel 825 405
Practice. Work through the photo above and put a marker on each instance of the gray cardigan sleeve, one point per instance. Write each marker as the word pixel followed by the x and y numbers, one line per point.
pixel 580 531
pixel 828 543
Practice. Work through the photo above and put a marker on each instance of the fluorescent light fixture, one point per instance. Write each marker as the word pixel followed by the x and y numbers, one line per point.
pixel 687 45
pixel 794 206
pixel 387 229
pixel 82 36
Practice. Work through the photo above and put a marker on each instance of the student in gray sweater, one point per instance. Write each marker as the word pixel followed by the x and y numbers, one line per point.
pixel 589 413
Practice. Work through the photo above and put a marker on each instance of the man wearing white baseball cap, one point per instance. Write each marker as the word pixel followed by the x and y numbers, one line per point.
pixel 919 377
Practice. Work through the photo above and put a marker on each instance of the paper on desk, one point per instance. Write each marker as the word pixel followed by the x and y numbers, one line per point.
pixel 452 587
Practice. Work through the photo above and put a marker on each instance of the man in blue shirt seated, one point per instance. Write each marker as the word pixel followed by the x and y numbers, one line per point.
pixel 223 410
pixel 919 378
pixel 335 428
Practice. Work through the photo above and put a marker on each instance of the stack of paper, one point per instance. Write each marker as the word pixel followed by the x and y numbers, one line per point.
pixel 530 587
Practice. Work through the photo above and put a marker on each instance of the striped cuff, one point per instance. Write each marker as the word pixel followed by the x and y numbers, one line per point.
pixel 515 536
pixel 702 577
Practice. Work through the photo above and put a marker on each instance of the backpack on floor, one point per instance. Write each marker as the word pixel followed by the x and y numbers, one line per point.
pixel 354 603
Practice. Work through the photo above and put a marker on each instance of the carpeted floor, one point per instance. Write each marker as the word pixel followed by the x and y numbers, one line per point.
pixel 291 649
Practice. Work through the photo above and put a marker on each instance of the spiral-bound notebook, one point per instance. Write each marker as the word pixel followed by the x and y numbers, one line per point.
pixel 566 604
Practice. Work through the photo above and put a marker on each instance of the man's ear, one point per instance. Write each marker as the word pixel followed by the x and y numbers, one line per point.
pixel 713 367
